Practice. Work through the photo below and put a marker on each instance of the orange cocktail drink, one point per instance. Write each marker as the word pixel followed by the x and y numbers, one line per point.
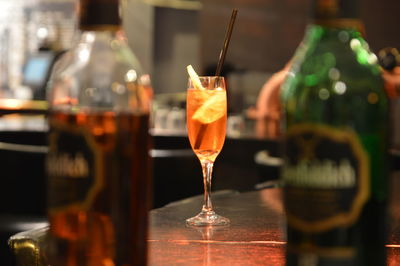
pixel 206 121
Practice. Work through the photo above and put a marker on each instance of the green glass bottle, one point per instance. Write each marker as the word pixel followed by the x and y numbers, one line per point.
pixel 336 126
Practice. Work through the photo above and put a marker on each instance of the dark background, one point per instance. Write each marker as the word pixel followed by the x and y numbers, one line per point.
pixel 267 32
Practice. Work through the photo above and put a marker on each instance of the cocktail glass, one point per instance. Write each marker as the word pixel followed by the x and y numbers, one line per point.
pixel 206 123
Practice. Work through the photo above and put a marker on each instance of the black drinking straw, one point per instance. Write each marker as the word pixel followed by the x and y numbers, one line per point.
pixel 221 61
pixel 227 40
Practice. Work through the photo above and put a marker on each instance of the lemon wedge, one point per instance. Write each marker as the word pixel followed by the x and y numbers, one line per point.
pixel 213 108
pixel 194 77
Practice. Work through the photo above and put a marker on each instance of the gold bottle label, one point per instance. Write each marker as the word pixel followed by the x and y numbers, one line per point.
pixel 74 167
pixel 326 177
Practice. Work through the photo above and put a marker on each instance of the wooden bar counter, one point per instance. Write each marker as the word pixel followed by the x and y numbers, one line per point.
pixel 254 237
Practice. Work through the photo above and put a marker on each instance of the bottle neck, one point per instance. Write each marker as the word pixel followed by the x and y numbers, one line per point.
pixel 99 15
pixel 341 14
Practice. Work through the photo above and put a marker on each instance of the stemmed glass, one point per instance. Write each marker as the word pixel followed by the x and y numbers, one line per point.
pixel 206 123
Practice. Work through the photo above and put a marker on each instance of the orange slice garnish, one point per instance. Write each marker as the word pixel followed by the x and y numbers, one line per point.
pixel 213 107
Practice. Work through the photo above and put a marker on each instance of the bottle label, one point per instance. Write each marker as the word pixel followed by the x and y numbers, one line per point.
pixel 326 177
pixel 74 167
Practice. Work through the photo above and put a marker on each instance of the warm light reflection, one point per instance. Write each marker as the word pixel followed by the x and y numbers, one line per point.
pixel 392 246
pixel 89 37
pixel 256 251
pixel 393 255
pixel 373 98
pixel 340 87
pixel 189 252
pixel 355 44
pixel 66 101
pixel 273 199
pixel 42 33
pixel 83 53
pixel 372 59
pixel 13 104
pixel 228 242
pixel 118 88
pixel 131 76
pixel 24 245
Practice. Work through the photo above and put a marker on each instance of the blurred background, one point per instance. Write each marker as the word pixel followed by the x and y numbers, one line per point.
pixel 167 35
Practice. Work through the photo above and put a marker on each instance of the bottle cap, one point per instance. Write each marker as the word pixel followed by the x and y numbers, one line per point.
pixel 337 14
pixel 95 14
pixel 335 9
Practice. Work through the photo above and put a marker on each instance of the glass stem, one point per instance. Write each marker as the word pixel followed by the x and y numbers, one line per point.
pixel 207 167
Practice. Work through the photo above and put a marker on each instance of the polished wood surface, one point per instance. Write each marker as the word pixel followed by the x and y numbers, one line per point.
pixel 255 236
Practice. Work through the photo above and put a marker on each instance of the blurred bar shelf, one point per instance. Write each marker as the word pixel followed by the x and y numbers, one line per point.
pixel 15 106
pixel 176 4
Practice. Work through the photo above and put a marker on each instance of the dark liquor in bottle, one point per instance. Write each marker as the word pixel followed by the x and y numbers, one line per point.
pixel 98 163
pixel 336 126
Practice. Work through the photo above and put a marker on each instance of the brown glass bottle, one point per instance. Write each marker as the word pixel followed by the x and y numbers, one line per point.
pixel 98 163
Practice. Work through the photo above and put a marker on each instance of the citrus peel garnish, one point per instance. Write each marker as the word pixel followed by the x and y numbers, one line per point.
pixel 194 77
pixel 213 107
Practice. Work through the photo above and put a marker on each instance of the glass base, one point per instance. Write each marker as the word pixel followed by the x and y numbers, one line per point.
pixel 207 218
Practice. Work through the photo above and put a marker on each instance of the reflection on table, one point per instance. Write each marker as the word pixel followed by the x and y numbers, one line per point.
pixel 255 236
